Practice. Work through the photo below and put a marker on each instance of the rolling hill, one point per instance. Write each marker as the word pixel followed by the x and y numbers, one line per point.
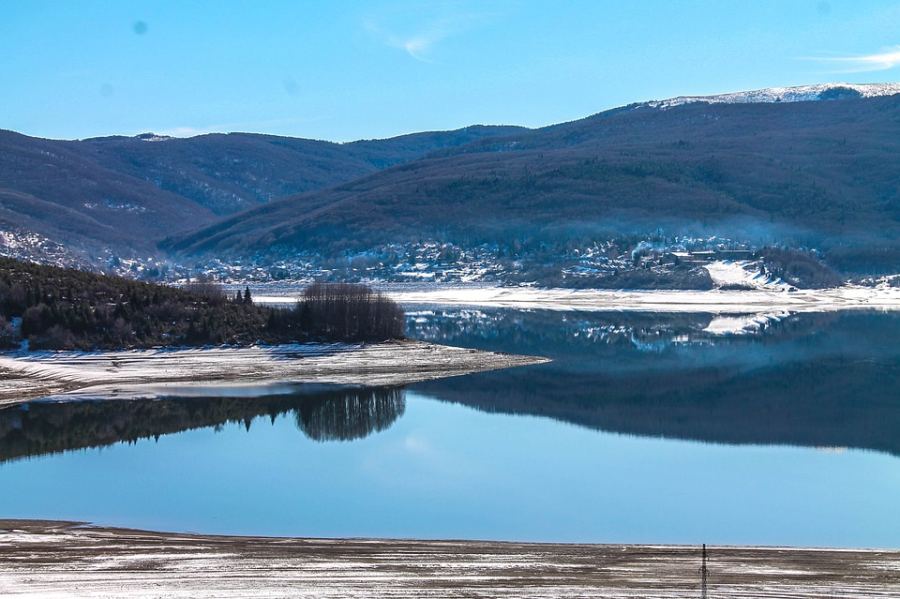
pixel 51 191
pixel 123 194
pixel 822 174
pixel 226 173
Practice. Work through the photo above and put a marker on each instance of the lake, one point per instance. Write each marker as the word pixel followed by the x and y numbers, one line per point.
pixel 646 428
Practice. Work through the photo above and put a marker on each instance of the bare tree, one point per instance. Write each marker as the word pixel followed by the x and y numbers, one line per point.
pixel 210 292
pixel 350 311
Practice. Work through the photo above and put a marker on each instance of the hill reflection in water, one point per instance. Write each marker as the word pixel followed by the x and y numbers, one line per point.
pixel 820 380
pixel 320 412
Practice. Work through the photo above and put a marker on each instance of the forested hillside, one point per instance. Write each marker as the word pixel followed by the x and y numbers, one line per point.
pixel 53 190
pixel 815 174
pixel 55 308
pixel 227 173
pixel 121 195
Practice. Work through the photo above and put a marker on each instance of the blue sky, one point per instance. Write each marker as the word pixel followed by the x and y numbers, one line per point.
pixel 349 70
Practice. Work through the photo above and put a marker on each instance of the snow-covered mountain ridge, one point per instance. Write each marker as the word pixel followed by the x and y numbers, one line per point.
pixel 801 93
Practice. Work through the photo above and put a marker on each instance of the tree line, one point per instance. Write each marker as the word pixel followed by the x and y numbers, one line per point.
pixel 57 308
pixel 330 414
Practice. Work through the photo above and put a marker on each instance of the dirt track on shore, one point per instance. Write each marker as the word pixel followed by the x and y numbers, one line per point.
pixel 59 559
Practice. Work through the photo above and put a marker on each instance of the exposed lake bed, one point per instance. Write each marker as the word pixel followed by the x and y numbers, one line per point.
pixel 63 558
pixel 39 374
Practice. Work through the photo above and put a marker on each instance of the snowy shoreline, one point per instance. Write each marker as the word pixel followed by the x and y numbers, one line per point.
pixel 601 300
pixel 73 375
pixel 743 287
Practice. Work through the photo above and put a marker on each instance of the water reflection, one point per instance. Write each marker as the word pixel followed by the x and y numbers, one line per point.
pixel 321 413
pixel 821 380
pixel 351 415
pixel 446 471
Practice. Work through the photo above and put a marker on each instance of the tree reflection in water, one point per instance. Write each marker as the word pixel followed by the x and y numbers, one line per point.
pixel 321 413
pixel 353 415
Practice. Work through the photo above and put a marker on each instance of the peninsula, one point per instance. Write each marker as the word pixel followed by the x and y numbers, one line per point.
pixel 69 331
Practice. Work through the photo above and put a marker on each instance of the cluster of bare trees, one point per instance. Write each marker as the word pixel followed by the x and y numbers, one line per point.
pixel 210 291
pixel 349 311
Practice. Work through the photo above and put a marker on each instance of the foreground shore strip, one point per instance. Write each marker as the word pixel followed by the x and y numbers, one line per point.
pixel 59 559
pixel 70 375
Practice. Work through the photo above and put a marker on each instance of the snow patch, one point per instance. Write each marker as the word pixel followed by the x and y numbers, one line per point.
pixel 743 272
pixel 802 93
pixel 736 302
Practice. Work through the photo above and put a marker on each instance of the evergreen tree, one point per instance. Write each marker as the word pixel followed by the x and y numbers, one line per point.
pixel 66 309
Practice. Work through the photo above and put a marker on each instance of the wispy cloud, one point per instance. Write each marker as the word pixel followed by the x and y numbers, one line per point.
pixel 417 44
pixel 419 40
pixel 889 58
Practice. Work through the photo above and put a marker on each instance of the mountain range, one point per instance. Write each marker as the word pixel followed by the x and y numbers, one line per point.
pixel 764 167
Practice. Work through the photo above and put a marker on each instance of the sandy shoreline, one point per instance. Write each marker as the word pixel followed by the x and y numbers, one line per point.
pixel 59 559
pixel 69 375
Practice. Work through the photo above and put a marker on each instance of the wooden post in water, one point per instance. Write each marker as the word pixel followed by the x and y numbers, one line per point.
pixel 704 572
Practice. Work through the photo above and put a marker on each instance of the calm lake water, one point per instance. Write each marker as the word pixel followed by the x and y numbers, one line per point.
pixel 645 428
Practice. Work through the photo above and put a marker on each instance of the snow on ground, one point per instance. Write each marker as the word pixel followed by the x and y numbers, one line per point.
pixel 38 374
pixel 800 93
pixel 715 302
pixel 69 560
pixel 743 272
pixel 757 301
